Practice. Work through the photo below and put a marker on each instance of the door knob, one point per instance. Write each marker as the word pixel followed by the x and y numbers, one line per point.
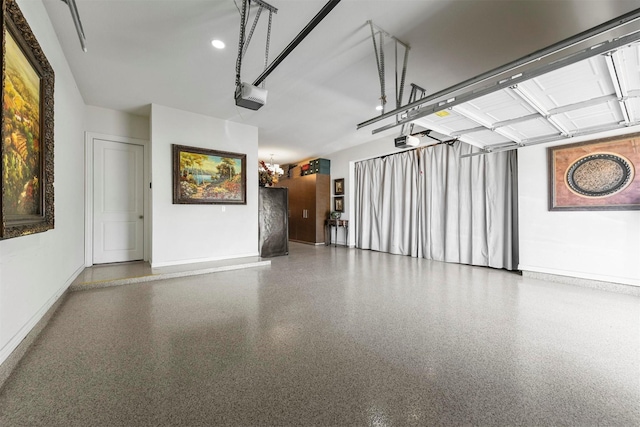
pixel 141 216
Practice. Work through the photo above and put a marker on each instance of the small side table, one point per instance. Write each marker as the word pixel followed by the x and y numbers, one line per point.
pixel 329 224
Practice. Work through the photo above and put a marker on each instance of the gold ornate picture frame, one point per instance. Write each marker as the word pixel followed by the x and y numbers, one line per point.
pixel 597 175
pixel 27 203
pixel 204 176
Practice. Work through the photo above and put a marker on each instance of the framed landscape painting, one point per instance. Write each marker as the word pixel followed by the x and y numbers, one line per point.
pixel 595 175
pixel 204 176
pixel 27 129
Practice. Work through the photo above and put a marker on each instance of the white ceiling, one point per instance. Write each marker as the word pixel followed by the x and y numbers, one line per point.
pixel 158 51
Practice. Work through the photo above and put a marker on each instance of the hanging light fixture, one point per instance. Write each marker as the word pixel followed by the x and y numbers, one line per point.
pixel 274 167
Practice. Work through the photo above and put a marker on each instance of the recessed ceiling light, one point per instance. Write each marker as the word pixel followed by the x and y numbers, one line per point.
pixel 218 44
pixel 379 108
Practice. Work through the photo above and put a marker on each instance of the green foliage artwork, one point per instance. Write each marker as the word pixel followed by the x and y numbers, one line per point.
pixel 202 176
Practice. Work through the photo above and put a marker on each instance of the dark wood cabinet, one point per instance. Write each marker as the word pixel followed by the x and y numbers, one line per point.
pixel 309 206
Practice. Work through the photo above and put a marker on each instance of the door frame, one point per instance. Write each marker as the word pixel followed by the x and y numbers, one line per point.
pixel 89 138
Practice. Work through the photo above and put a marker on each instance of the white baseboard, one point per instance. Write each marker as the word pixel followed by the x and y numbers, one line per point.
pixel 582 275
pixel 200 260
pixel 18 345
pixel 586 283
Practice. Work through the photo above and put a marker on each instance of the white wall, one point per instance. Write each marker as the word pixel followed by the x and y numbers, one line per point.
pixel 116 123
pixel 198 233
pixel 595 245
pixel 35 270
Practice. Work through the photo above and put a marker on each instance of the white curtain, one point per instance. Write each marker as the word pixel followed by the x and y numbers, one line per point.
pixel 386 204
pixel 449 208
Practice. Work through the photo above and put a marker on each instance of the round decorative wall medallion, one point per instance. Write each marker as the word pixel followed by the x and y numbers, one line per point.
pixel 599 174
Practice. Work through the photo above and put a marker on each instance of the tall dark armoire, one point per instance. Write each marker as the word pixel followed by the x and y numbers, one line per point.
pixel 309 206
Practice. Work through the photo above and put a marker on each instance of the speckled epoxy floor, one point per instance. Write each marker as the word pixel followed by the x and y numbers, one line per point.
pixel 334 336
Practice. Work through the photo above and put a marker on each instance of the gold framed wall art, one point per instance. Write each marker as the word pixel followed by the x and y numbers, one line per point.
pixel 597 175
pixel 204 176
pixel 27 129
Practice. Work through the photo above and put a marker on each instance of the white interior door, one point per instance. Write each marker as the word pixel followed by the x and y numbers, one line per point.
pixel 118 201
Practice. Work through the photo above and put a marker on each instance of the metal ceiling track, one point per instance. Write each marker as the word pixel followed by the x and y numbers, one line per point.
pixel 562 133
pixel 416 93
pixel 378 48
pixel 498 79
pixel 76 21
pixel 297 39
pixel 262 5
pixel 265 5
pixel 622 96
pixel 513 81
pixel 543 140
pixel 244 41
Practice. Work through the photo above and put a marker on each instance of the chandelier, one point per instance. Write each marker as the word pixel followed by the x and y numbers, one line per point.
pixel 274 167
pixel 269 173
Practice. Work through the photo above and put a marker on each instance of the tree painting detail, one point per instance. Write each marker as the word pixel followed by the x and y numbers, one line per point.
pixel 206 176
pixel 21 155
